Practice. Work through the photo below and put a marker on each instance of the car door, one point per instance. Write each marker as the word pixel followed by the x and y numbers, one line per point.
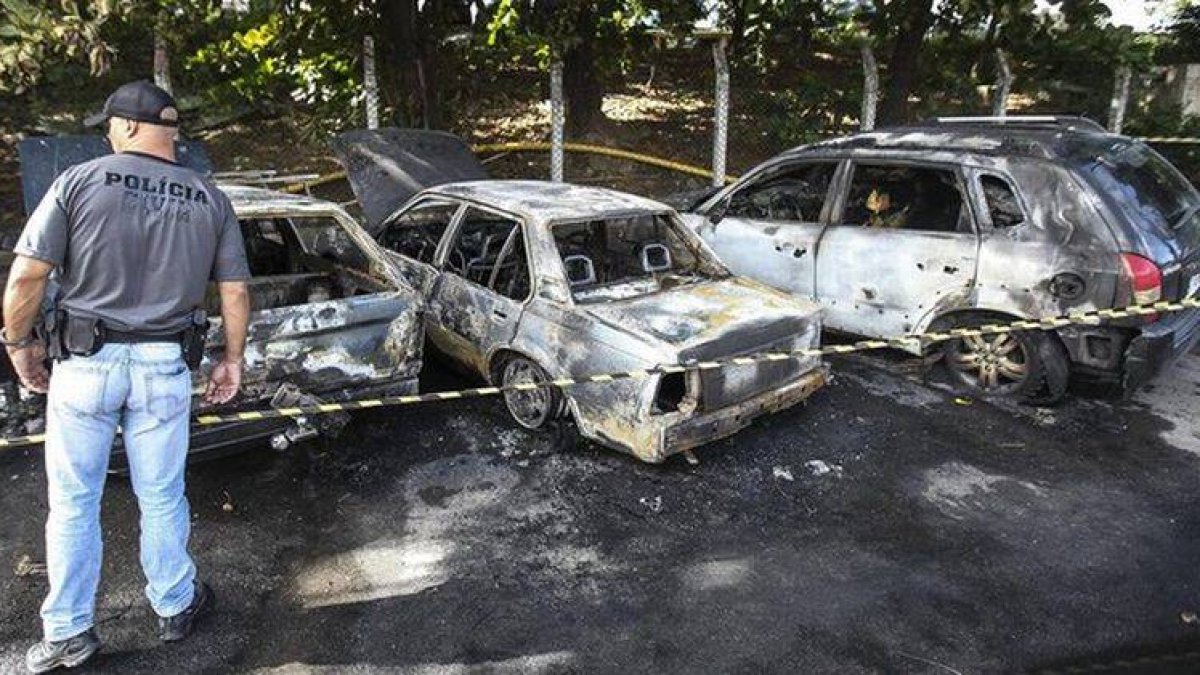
pixel 903 244
pixel 325 318
pixel 769 227
pixel 478 297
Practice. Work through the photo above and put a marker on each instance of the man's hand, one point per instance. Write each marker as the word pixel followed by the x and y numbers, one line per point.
pixel 30 364
pixel 224 382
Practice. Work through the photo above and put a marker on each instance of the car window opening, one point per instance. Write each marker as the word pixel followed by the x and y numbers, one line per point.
pixel 628 257
pixel 1003 206
pixel 795 194
pixel 906 198
pixel 478 245
pixel 300 261
pixel 416 233
pixel 1144 186
pixel 510 277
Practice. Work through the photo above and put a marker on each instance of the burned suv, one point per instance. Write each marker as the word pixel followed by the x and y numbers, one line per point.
pixel 968 221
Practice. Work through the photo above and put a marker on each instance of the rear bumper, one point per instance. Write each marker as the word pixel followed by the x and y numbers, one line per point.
pixel 1158 346
pixel 704 428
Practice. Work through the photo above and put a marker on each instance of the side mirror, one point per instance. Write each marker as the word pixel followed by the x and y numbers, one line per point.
pixel 717 213
pixel 580 270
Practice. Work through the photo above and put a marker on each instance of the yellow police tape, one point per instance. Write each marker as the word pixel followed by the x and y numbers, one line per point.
pixel 1079 318
pixel 497 148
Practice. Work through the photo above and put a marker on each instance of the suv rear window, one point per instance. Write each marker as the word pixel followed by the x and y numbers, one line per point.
pixel 1143 185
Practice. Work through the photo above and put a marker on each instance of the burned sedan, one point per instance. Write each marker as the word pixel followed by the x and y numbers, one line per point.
pixel 967 221
pixel 332 316
pixel 529 282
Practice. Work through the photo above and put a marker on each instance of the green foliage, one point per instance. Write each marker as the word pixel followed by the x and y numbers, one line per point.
pixel 35 36
pixel 797 59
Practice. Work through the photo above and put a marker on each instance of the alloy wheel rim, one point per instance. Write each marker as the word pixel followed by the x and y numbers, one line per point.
pixel 992 363
pixel 530 408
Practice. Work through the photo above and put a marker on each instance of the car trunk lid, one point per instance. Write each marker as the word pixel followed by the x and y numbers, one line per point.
pixel 713 320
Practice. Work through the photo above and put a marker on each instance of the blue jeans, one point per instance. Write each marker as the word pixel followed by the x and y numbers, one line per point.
pixel 146 389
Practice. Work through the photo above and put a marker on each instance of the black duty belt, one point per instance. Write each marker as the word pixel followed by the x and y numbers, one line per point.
pixel 122 337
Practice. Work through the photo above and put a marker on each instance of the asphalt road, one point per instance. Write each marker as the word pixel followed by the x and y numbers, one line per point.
pixel 883 527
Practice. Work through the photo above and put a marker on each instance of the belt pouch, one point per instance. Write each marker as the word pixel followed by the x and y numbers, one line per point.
pixel 83 336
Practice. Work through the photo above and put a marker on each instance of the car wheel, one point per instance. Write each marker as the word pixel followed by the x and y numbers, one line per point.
pixel 533 408
pixel 1030 365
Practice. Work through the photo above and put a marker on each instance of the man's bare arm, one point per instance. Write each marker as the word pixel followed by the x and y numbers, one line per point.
pixel 23 295
pixel 226 377
pixel 22 304
pixel 235 317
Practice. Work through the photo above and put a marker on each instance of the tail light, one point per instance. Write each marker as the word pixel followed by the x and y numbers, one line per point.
pixel 1144 278
pixel 672 390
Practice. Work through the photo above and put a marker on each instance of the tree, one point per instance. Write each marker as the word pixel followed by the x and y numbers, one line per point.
pixel 912 19
pixel 33 37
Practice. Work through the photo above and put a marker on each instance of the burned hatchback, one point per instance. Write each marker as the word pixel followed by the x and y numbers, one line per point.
pixel 332 316
pixel 967 221
pixel 532 282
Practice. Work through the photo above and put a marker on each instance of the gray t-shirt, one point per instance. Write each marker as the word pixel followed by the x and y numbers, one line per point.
pixel 135 240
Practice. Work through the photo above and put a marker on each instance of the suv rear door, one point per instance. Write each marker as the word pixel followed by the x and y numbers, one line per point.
pixel 904 242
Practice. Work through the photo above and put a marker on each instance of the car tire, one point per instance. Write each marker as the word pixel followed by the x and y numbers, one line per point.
pixel 536 409
pixel 1031 366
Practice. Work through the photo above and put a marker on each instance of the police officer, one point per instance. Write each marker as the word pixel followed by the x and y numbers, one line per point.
pixel 133 239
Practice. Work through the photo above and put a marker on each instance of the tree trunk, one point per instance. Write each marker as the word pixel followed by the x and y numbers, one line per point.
pixel 915 17
pixel 737 24
pixel 407 41
pixel 396 39
pixel 582 86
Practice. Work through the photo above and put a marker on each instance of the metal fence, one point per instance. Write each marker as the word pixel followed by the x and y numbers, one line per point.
pixel 684 102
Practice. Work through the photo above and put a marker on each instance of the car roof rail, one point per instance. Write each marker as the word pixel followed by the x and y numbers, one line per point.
pixel 1069 122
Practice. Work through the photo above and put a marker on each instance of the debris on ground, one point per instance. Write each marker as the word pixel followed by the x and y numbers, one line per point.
pixel 28 567
pixel 962 400
pixel 784 472
pixel 227 505
pixel 655 504
pixel 1189 617
pixel 1045 416
pixel 820 467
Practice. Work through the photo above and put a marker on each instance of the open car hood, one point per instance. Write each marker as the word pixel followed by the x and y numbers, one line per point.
pixel 388 166
pixel 43 158
pixel 711 319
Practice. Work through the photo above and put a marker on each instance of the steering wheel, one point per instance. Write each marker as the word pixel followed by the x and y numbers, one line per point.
pixel 784 206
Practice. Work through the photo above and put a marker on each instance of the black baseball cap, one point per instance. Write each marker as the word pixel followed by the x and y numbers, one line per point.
pixel 142 101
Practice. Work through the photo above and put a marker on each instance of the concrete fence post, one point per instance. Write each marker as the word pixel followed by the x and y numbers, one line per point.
pixel 162 62
pixel 370 83
pixel 557 122
pixel 870 87
pixel 1004 81
pixel 1120 99
pixel 721 111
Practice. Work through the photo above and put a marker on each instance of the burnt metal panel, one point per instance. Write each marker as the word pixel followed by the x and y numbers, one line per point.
pixel 43 158
pixel 388 166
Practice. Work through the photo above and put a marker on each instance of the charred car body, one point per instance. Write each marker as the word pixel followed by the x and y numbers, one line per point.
pixel 530 281
pixel 962 222
pixel 332 316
